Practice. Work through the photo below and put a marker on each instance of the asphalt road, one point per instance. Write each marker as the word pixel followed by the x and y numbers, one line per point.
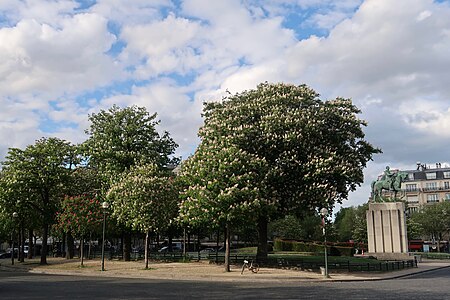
pixel 431 285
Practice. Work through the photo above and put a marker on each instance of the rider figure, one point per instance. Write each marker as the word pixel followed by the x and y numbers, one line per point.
pixel 388 176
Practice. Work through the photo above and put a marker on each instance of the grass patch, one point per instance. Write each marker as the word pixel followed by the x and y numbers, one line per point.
pixel 319 258
pixel 246 250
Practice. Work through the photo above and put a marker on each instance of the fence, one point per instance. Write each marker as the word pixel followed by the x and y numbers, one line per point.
pixel 348 266
pixel 301 264
pixel 284 263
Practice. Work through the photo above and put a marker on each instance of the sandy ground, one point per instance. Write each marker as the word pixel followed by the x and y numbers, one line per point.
pixel 158 270
pixel 193 271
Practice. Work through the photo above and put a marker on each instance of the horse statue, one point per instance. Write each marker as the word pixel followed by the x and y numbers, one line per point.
pixel 389 182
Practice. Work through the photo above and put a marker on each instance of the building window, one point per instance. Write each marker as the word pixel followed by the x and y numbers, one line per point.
pixel 431 175
pixel 412 209
pixel 413 199
pixel 412 187
pixel 432 198
pixel 447 174
pixel 447 197
pixel 411 176
pixel 431 186
pixel 446 185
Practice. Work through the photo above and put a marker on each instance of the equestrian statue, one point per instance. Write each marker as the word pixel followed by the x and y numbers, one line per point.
pixel 390 181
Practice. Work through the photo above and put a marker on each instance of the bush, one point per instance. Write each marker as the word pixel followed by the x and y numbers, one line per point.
pixel 341 251
pixel 290 245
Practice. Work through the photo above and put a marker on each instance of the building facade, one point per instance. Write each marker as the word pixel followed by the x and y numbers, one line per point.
pixel 426 185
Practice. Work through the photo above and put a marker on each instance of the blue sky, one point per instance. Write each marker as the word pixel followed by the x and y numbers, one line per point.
pixel 65 59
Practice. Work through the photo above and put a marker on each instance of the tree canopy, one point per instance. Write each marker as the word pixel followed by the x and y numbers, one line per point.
pixel 433 220
pixel 295 153
pixel 145 199
pixel 34 181
pixel 120 138
pixel 351 224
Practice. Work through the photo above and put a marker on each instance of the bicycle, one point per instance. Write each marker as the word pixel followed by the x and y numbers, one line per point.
pixel 254 267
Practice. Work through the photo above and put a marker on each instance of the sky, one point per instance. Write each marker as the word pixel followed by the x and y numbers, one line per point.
pixel 62 60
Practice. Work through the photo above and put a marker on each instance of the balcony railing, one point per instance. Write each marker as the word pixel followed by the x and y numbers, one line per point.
pixel 426 189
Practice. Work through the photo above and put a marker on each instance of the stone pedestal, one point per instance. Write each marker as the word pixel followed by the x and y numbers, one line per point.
pixel 386 229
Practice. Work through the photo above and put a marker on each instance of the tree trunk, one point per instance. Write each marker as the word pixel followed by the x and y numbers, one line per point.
pixel 22 243
pixel 184 243
pixel 127 246
pixel 30 244
pixel 189 241
pixel 227 248
pixel 146 254
pixel 44 244
pixel 82 251
pixel 198 245
pixel 170 243
pixel 261 253
pixel 157 241
pixel 63 245
pixel 89 246
pixel 217 245
pixel 70 252
pixel 35 243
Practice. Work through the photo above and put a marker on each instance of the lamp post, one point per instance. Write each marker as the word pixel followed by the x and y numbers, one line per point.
pixel 105 206
pixel 15 215
pixel 324 213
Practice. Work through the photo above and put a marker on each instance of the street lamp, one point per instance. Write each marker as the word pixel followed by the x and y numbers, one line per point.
pixel 105 206
pixel 15 215
pixel 324 213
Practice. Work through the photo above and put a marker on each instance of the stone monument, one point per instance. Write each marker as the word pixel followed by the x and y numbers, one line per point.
pixel 386 222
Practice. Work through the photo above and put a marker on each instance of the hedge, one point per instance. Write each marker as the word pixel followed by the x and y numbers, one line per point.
pixel 290 245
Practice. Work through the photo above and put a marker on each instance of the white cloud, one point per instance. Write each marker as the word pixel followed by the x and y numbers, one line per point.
pixel 163 44
pixel 179 115
pixel 40 59
pixel 378 48
pixel 49 12
pixel 391 57
pixel 131 11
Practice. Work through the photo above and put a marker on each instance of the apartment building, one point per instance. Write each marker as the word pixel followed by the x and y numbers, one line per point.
pixel 426 185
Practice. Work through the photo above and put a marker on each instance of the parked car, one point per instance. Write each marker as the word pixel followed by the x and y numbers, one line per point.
pixel 7 254
pixel 207 250
pixel 175 248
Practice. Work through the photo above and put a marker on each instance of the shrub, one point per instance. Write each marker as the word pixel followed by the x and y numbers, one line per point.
pixel 290 245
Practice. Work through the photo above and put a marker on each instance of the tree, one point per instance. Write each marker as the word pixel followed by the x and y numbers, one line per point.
pixel 291 227
pixel 434 220
pixel 35 180
pixel 220 192
pixel 308 153
pixel 79 216
pixel 83 181
pixel 121 138
pixel 359 233
pixel 11 201
pixel 344 223
pixel 415 231
pixel 144 199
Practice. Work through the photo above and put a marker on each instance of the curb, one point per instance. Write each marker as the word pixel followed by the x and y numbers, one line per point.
pixel 390 277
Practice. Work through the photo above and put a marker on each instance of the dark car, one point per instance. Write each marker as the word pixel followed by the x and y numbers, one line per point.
pixel 8 254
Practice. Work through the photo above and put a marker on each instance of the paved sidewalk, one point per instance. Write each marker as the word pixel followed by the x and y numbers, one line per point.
pixel 202 271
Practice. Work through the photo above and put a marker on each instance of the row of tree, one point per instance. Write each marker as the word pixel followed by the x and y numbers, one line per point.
pixel 266 153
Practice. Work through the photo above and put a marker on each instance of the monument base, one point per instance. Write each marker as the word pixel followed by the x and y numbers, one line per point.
pixel 386 229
